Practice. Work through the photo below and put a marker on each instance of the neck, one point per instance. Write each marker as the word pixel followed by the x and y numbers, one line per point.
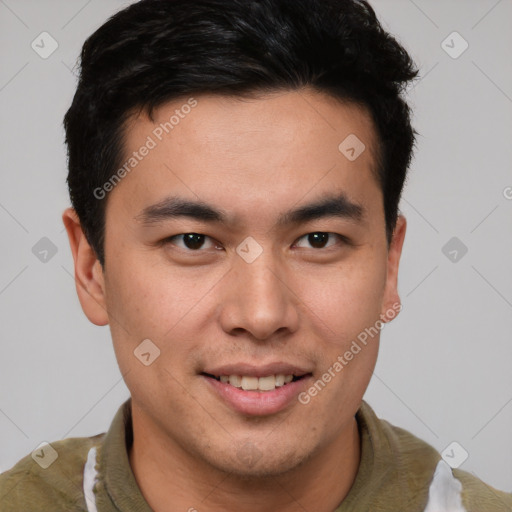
pixel 172 479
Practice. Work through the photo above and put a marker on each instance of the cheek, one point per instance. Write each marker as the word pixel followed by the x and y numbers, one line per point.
pixel 146 302
pixel 150 299
pixel 170 307
pixel 344 301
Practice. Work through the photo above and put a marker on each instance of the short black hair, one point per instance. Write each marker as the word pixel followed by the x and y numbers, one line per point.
pixel 155 51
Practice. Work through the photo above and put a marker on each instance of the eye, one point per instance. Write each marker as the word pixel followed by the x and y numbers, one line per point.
pixel 191 241
pixel 320 239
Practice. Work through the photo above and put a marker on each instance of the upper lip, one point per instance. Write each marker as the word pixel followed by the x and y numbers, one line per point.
pixel 250 370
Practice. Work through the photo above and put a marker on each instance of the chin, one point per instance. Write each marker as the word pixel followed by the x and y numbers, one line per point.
pixel 252 463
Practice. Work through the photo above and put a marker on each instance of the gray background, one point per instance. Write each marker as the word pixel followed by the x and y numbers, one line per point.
pixel 444 371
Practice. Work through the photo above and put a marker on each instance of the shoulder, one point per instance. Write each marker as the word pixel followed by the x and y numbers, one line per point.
pixel 477 495
pixel 50 478
pixel 473 494
pixel 422 474
pixel 454 489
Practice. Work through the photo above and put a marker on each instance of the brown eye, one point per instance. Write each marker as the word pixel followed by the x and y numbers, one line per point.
pixel 320 239
pixel 191 241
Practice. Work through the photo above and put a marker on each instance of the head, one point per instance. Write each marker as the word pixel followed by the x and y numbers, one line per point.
pixel 235 171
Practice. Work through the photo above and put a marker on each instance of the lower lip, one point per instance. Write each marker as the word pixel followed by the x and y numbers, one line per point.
pixel 258 403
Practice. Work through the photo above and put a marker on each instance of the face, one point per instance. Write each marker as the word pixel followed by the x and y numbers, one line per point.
pixel 248 248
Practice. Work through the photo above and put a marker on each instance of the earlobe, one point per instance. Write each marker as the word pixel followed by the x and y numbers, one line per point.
pixel 89 279
pixel 391 305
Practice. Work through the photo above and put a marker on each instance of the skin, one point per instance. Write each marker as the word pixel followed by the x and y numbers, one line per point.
pixel 296 303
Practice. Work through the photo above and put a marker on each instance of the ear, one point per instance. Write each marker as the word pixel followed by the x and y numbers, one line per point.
pixel 391 304
pixel 89 279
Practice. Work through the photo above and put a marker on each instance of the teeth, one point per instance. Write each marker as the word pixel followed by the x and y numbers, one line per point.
pixel 250 383
pixel 267 383
pixel 247 383
pixel 235 380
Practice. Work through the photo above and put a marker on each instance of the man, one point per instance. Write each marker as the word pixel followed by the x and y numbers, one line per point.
pixel 235 169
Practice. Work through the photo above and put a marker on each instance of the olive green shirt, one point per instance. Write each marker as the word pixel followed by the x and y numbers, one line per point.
pixel 398 472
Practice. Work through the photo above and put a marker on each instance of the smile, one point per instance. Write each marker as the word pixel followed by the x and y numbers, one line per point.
pixel 250 383
pixel 257 391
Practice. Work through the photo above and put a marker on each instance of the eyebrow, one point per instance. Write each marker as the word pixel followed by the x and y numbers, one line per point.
pixel 337 206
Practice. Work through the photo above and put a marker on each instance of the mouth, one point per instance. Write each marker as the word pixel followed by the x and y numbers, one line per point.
pixel 261 384
pixel 257 390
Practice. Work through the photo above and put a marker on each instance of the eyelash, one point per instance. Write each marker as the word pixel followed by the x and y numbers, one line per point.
pixel 344 240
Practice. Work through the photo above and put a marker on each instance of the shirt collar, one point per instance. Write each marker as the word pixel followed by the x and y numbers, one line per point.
pixel 120 488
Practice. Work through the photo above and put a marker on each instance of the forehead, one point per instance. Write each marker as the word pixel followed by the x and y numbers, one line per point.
pixel 252 153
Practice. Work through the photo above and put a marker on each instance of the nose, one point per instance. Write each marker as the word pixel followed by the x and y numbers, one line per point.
pixel 258 300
